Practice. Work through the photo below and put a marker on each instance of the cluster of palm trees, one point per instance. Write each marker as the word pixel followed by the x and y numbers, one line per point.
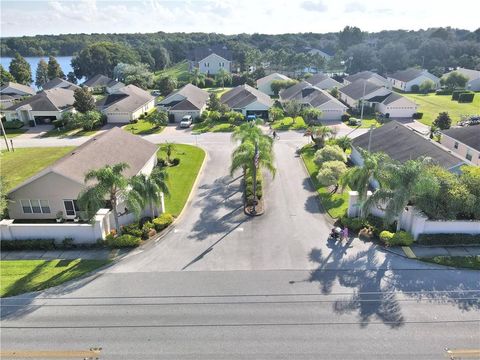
pixel 109 184
pixel 198 78
pixel 254 152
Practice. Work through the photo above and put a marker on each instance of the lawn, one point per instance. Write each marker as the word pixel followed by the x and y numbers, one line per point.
pixel 64 132
pixel 431 105
pixel 218 90
pixel 335 204
pixel 11 133
pixel 212 126
pixel 21 276
pixel 19 165
pixel 142 127
pixel 182 176
pixel 467 262
pixel 288 123
pixel 178 71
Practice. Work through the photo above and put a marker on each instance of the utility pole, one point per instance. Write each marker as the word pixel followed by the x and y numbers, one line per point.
pixel 370 137
pixel 255 164
pixel 4 135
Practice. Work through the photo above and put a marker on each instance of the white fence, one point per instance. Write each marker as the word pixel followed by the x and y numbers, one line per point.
pixel 415 222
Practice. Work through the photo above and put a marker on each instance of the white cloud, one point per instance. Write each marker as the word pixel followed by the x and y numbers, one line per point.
pixel 355 7
pixel 317 5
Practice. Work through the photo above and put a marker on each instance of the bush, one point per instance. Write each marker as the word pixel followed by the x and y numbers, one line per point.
pixel 345 117
pixel 456 94
pixel 175 161
pixel 132 229
pixel 415 88
pixel 401 238
pixel 443 92
pixel 163 221
pixel 449 239
pixel 354 224
pixel 32 244
pixel 58 123
pixel 209 82
pixel 418 115
pixel 14 124
pixel 466 97
pixel 146 228
pixel 386 236
pixel 123 241
pixel 249 187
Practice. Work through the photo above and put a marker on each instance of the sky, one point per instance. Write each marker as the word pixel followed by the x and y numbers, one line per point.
pixel 19 17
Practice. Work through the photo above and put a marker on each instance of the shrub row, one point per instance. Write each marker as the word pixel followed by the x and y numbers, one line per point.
pixel 14 124
pixel 449 239
pixel 42 244
pixel 443 92
pixel 466 97
pixel 401 238
pixel 163 221
pixel 123 241
pixel 373 223
pixel 418 115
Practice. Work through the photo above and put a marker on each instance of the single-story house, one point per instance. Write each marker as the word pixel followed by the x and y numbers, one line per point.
pixel 402 144
pixel 60 83
pixel 11 92
pixel 101 84
pixel 463 141
pixel 188 100
pixel 323 81
pixel 397 106
pixel 405 79
pixel 210 59
pixel 126 104
pixel 326 54
pixel 265 84
pixel 56 188
pixel 42 108
pixel 370 76
pixel 248 101
pixel 309 95
pixel 473 77
pixel 352 93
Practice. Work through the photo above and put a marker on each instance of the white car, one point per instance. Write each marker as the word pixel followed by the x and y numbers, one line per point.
pixel 186 121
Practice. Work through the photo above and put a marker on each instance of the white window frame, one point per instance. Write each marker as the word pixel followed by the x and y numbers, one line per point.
pixel 30 205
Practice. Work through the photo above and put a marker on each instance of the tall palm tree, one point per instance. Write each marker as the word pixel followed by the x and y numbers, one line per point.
pixel 197 77
pixel 319 134
pixel 169 148
pixel 147 190
pixel 108 183
pixel 344 142
pixel 223 76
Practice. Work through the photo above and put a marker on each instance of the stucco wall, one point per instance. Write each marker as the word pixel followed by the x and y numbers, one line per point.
pixel 212 64
pixel 449 143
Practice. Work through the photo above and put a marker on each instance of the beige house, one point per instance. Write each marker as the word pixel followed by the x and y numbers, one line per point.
pixel 405 79
pixel 188 100
pixel 248 101
pixel 397 106
pixel 12 92
pixel 473 76
pixel 369 91
pixel 265 84
pixel 463 141
pixel 211 59
pixel 126 104
pixel 56 188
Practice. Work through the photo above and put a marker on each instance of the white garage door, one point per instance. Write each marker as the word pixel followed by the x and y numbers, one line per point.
pixel 118 117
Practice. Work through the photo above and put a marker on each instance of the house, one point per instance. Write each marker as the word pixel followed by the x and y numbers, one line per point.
pixel 248 101
pixel 309 95
pixel 397 106
pixel 126 104
pixel 326 54
pixel 101 84
pixel 265 84
pixel 210 59
pixel 473 77
pixel 405 79
pixel 402 144
pixel 56 188
pixel 323 81
pixel 463 141
pixel 60 83
pixel 370 76
pixel 11 92
pixel 370 91
pixel 43 107
pixel 188 100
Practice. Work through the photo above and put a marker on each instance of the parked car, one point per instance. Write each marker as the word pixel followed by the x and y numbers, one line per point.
pixel 186 121
pixel 156 93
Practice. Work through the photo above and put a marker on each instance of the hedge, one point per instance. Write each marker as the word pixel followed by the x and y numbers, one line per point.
pixel 418 115
pixel 448 239
pixel 14 124
pixel 443 92
pixel 163 221
pixel 31 244
pixel 401 238
pixel 123 241
pixel 466 97
pixel 386 236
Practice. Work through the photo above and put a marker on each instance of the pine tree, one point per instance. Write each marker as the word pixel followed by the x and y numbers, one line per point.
pixel 20 70
pixel 42 73
pixel 5 76
pixel 84 101
pixel 54 69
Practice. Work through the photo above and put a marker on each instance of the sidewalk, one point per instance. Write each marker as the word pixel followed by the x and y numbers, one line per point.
pixel 431 251
pixel 87 254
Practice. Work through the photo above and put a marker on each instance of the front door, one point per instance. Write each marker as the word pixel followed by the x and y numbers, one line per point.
pixel 71 208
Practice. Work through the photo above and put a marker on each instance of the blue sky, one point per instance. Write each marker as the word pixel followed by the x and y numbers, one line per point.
pixel 20 17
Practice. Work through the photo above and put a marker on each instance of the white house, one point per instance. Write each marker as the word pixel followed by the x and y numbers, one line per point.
pixel 11 92
pixel 265 84
pixel 248 101
pixel 210 59
pixel 126 104
pixel 463 141
pixel 309 95
pixel 405 79
pixel 323 81
pixel 397 106
pixel 473 77
pixel 188 100
pixel 374 78
pixel 371 92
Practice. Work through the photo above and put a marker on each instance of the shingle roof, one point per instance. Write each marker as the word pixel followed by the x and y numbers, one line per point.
pixel 111 147
pixel 468 135
pixel 407 75
pixel 56 99
pixel 243 95
pixel 355 89
pixel 319 78
pixel 202 52
pixel 59 83
pixel 195 98
pixel 20 87
pixel 100 80
pixel 402 144
pixel 470 74
pixel 271 77
pixel 365 75
pixel 306 93
pixel 290 92
pixel 126 99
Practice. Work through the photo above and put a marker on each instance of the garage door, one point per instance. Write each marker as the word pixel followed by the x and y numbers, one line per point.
pixel 118 117
pixel 40 120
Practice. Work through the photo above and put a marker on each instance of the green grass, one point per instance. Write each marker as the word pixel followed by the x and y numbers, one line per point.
pixel 11 133
pixel 21 276
pixel 57 132
pixel 467 262
pixel 218 90
pixel 178 71
pixel 335 204
pixel 431 105
pixel 182 176
pixel 212 126
pixel 19 165
pixel 288 123
pixel 143 127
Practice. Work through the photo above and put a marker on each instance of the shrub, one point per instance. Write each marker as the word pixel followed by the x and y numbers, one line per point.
pixel 141 117
pixel 386 236
pixel 456 94
pixel 354 224
pixel 415 88
pixel 123 241
pixel 401 238
pixel 249 187
pixel 329 153
pixel 14 124
pixel 345 117
pixel 418 115
pixel 67 243
pixel 466 97
pixel 209 82
pixel 147 226
pixel 31 244
pixel 443 92
pixel 448 239
pixel 132 229
pixel 163 221
pixel 57 123
pixel 175 161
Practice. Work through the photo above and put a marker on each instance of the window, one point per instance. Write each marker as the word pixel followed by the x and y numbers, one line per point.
pixel 469 155
pixel 71 207
pixel 456 145
pixel 26 206
pixel 35 206
pixel 45 206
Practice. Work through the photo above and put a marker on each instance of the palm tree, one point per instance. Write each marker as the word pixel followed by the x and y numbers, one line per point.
pixel 344 142
pixel 108 182
pixel 169 148
pixel 311 114
pixel 147 190
pixel 197 77
pixel 223 76
pixel 319 134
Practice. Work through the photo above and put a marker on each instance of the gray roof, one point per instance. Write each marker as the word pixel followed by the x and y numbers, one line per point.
pixel 201 52
pixel 305 93
pixel 59 83
pixel 100 80
pixel 355 89
pixel 292 91
pixel 393 97
pixel 272 77
pixel 19 87
pixel 407 75
pixel 56 99
pixel 111 147
pixel 468 135
pixel 315 79
pixel 402 144
pixel 126 99
pixel 365 75
pixel 244 95
pixel 195 98
pixel 469 73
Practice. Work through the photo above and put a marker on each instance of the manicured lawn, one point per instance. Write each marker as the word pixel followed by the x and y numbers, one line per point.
pixel 467 262
pixel 19 165
pixel 431 105
pixel 21 276
pixel 57 132
pixel 212 126
pixel 335 204
pixel 218 90
pixel 11 133
pixel 288 123
pixel 178 71
pixel 143 127
pixel 182 176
